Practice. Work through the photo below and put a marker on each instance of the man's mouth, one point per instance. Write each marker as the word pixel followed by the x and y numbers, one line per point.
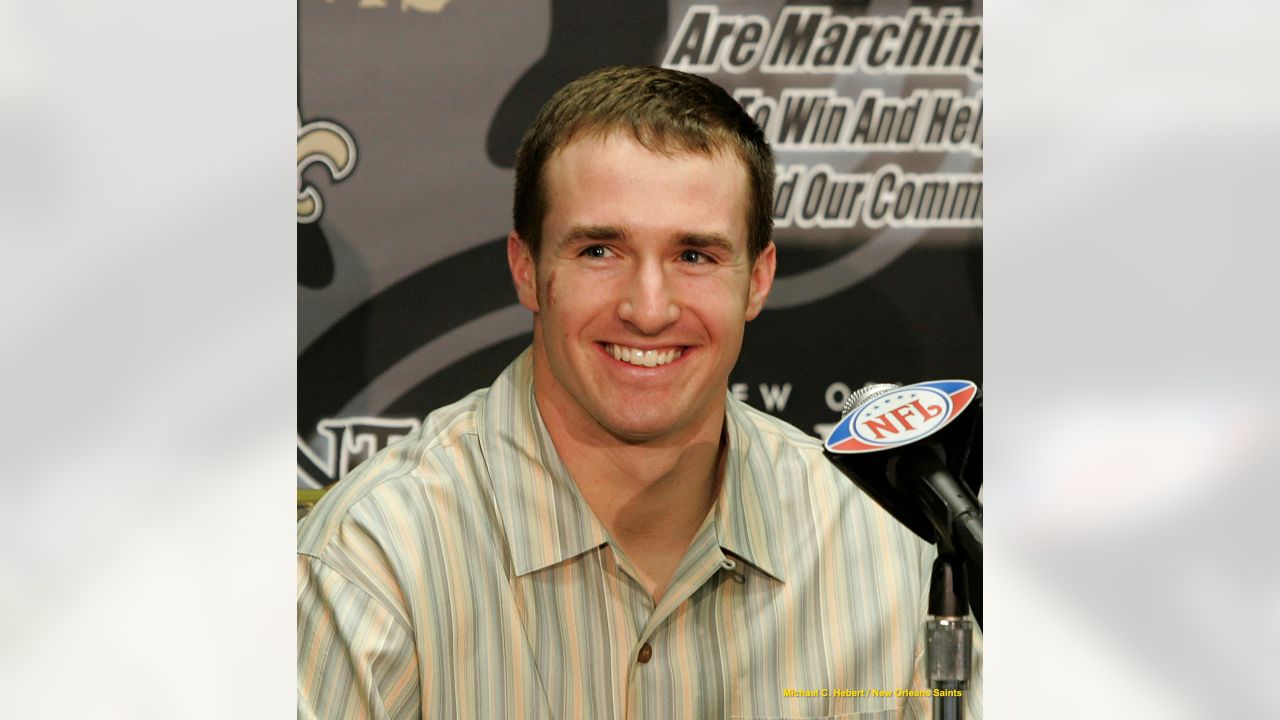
pixel 643 358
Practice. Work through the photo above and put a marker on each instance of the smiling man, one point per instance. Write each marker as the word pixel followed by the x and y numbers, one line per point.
pixel 604 532
pixel 641 287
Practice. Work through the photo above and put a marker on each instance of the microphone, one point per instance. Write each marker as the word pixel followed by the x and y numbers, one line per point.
pixel 917 453
pixel 906 447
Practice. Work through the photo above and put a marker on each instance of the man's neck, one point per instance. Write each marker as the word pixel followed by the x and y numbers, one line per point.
pixel 650 497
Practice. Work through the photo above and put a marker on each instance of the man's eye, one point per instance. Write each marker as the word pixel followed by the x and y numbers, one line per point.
pixel 596 251
pixel 694 256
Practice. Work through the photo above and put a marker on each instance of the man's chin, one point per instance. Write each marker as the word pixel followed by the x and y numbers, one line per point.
pixel 634 433
pixel 659 428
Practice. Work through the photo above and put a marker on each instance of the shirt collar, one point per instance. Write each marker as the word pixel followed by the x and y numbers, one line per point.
pixel 748 515
pixel 546 519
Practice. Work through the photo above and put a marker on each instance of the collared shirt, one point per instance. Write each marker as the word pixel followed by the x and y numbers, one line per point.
pixel 459 573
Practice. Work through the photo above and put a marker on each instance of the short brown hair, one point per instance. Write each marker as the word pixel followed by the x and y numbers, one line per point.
pixel 667 111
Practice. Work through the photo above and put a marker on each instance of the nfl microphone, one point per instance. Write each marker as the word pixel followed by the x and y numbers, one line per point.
pixel 906 447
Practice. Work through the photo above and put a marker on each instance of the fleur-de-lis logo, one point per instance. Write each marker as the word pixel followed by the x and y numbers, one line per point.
pixel 329 144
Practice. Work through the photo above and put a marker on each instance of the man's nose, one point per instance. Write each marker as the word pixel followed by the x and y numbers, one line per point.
pixel 649 302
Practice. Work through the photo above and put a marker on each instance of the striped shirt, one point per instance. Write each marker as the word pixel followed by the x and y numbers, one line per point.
pixel 459 573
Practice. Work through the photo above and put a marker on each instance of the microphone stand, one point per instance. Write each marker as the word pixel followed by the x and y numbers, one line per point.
pixel 948 636
pixel 948 632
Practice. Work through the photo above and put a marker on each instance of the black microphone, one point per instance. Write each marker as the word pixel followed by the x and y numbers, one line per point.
pixel 916 450
pixel 897 443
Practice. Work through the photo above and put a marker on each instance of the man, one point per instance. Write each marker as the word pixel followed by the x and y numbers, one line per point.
pixel 604 532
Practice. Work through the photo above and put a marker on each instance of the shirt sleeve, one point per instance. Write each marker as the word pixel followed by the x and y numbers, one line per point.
pixel 356 659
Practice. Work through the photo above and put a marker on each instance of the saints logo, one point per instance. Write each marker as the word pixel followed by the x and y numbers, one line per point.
pixel 330 145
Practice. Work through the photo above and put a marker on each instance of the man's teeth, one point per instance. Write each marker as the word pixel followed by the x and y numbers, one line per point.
pixel 644 358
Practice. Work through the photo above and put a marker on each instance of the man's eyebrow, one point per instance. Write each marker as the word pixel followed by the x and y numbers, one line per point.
pixel 714 241
pixel 602 233
pixel 593 232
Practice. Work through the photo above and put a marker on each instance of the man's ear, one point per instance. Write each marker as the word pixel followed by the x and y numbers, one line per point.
pixel 761 280
pixel 523 271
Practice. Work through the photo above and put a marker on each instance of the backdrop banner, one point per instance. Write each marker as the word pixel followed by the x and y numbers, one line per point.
pixel 409 114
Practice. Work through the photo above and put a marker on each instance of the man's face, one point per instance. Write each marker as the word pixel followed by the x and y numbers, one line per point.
pixel 642 288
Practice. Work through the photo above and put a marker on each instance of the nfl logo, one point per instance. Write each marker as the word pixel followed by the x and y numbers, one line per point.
pixel 901 416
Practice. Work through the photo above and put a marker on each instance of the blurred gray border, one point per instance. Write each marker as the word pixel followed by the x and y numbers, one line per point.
pixel 149 347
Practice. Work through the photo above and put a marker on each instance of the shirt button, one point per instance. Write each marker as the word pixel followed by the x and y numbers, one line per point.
pixel 646 652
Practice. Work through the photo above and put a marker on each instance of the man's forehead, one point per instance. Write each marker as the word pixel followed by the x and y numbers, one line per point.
pixel 669 144
pixel 617 162
pixel 604 164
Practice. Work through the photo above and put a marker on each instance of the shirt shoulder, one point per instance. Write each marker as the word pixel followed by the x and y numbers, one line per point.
pixel 780 430
pixel 791 451
pixel 395 487
pixel 811 486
